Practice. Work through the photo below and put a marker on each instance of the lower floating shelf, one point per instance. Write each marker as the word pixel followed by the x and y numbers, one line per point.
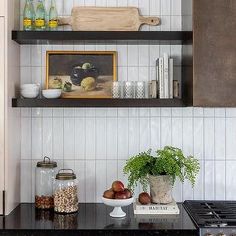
pixel 20 102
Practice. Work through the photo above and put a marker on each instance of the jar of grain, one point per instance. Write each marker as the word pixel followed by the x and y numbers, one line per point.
pixel 44 177
pixel 65 192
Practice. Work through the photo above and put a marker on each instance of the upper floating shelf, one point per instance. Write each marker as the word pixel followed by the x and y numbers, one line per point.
pixel 69 37
pixel 19 102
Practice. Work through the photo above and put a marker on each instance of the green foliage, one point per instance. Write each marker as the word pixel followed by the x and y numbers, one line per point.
pixel 168 161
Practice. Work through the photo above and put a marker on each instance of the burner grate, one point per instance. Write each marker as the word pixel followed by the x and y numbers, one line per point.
pixel 212 213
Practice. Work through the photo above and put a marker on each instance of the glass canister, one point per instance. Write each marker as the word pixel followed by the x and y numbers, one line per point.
pixel 65 192
pixel 44 176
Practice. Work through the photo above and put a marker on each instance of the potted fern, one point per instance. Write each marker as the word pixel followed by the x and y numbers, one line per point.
pixel 161 172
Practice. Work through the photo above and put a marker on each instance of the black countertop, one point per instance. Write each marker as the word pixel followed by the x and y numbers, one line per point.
pixel 93 219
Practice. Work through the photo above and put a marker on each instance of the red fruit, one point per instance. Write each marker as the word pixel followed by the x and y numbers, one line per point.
pixel 144 198
pixel 128 193
pixel 117 186
pixel 120 195
pixel 109 194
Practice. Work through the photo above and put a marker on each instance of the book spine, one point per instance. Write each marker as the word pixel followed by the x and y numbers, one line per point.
pixel 171 75
pixel 166 75
pixel 161 78
pixel 136 212
pixel 157 78
pixel 155 208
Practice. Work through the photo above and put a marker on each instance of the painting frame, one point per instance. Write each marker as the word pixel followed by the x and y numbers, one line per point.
pixel 113 54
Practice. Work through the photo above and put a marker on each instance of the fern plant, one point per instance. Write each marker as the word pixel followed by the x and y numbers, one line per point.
pixel 168 161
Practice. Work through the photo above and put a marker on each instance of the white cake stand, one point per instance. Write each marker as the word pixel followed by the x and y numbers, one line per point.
pixel 117 204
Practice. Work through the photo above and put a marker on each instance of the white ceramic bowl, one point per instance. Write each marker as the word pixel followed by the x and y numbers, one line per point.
pixel 51 93
pixel 29 94
pixel 29 86
pixel 117 204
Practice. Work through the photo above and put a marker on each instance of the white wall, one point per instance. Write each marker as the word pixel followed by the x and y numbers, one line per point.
pixel 96 142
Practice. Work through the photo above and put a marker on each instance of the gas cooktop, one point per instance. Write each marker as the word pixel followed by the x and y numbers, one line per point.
pixel 213 217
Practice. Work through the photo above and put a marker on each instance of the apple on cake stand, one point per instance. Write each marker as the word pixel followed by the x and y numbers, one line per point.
pixel 118 196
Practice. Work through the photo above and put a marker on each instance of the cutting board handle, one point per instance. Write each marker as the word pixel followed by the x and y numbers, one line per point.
pixel 150 20
pixel 64 21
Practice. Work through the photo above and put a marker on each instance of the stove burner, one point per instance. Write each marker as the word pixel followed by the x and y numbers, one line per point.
pixel 212 214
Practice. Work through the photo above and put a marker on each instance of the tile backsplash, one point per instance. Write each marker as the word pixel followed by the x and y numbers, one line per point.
pixel 96 142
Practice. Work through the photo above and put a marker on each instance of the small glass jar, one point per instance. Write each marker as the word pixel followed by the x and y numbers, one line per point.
pixel 65 192
pixel 44 176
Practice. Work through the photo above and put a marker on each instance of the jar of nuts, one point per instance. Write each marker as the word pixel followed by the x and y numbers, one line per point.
pixel 65 192
pixel 44 177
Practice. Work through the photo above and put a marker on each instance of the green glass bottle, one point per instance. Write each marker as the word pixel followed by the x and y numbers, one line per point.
pixel 53 16
pixel 40 16
pixel 28 16
pixel 33 12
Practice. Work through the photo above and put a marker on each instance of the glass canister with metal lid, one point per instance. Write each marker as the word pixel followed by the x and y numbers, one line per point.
pixel 65 192
pixel 44 177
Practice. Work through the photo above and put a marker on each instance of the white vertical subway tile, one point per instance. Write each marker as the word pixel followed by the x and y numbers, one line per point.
pixel 90 145
pixel 90 186
pixel 36 55
pixel 155 7
pixel 122 55
pixel 123 138
pixel 69 112
pixel 144 74
pixel 133 3
pixel 36 138
pixel 209 180
pixel 209 138
pixel 165 8
pixel 230 112
pixel 176 7
pixel 187 111
pixel 26 181
pixel 176 23
pixel 80 172
pixel 69 138
pixel 155 140
pixel 199 185
pixel 230 138
pixel 177 191
pixel 111 172
pixel 80 134
pixel 220 138
pixel 133 136
pixel 154 54
pixel 166 112
pixel 143 55
pixel 177 112
pixel 220 173
pixel 220 112
pixel 177 127
pixel 100 179
pixel 111 133
pixel 198 111
pixel 26 138
pixel 188 191
pixel 25 55
pixel 198 137
pixel 69 164
pixel 144 7
pixel 122 74
pixel 111 3
pixel 101 3
pixel 144 134
pixel 230 180
pixel 57 138
pixel 209 112
pixel 133 55
pixel 47 137
pixel 187 136
pixel 123 112
pixel 120 175
pixel 100 138
pixel 165 131
pixel 25 75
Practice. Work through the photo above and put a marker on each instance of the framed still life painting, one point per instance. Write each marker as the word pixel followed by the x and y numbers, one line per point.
pixel 82 74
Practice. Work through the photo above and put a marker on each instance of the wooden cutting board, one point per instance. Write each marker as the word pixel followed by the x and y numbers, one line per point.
pixel 107 19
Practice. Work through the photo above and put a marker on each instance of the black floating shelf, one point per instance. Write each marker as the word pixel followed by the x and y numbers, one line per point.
pixel 68 37
pixel 19 102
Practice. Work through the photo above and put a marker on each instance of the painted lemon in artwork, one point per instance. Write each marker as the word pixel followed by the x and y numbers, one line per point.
pixel 88 84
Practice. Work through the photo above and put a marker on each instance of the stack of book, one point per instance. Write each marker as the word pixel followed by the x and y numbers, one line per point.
pixel 156 209
pixel 165 76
